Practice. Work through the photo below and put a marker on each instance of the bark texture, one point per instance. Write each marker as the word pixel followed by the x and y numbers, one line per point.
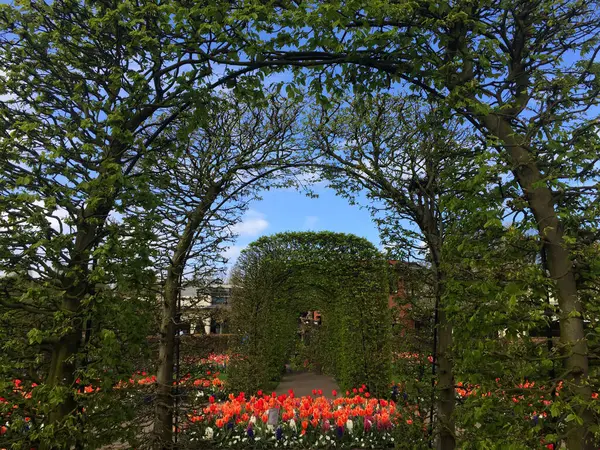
pixel 443 360
pixel 63 363
pixel 560 265
pixel 163 420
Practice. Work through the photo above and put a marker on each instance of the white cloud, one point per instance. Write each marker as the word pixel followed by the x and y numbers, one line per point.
pixel 310 222
pixel 232 253
pixel 252 224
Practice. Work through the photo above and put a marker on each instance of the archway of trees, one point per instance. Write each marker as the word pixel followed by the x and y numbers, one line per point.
pixel 134 136
pixel 278 277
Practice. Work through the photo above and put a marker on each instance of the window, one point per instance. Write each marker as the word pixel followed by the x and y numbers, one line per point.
pixel 219 300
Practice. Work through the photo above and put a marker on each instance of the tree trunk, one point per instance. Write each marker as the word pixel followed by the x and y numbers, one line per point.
pixel 434 352
pixel 445 374
pixel 163 420
pixel 443 360
pixel 62 369
pixel 572 335
pixel 63 362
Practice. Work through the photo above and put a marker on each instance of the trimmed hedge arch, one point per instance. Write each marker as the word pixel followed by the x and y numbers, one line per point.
pixel 343 276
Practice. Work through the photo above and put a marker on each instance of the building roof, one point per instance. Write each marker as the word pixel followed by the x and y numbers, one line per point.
pixel 194 291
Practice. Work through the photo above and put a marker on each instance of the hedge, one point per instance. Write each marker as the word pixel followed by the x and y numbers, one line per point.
pixel 343 276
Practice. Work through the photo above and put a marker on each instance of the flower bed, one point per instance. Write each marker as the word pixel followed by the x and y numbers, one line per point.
pixel 20 409
pixel 287 421
pixel 355 420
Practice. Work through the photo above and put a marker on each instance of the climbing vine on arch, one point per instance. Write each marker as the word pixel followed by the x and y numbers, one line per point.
pixel 343 276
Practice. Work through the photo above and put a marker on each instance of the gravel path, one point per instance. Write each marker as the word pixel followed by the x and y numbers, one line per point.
pixel 304 382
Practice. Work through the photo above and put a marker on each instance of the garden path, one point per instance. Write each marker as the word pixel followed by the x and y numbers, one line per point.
pixel 304 382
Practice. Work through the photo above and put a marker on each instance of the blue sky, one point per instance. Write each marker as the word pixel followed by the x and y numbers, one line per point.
pixel 288 210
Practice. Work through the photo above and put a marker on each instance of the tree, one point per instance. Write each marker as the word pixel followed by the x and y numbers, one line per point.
pixel 406 155
pixel 87 88
pixel 525 74
pixel 205 180
pixel 499 298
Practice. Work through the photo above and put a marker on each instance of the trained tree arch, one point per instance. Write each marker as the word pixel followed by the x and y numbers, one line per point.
pixel 343 276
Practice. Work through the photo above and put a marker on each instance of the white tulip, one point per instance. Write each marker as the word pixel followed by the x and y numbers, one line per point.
pixel 349 425
pixel 209 433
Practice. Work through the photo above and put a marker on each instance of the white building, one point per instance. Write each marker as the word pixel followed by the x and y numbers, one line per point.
pixel 204 309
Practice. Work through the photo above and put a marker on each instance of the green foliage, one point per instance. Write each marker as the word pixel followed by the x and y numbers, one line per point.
pixel 114 348
pixel 87 92
pixel 504 310
pixel 344 277
pixel 525 75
